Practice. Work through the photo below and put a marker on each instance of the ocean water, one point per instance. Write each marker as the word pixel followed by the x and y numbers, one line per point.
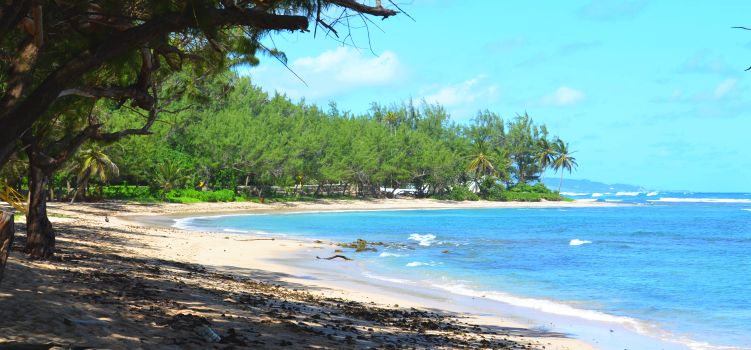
pixel 680 262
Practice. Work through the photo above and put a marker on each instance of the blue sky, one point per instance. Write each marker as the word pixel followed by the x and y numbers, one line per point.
pixel 650 93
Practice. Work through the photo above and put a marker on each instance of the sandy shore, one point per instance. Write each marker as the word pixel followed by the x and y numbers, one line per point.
pixel 126 281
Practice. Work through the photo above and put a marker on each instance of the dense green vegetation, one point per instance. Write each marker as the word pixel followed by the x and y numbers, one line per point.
pixel 62 61
pixel 232 141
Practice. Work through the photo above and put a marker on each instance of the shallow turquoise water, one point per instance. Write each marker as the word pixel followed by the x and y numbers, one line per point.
pixel 685 267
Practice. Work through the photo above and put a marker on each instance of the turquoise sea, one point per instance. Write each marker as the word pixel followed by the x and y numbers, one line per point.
pixel 678 262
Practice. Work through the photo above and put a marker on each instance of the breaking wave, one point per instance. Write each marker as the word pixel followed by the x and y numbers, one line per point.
pixel 627 193
pixel 577 241
pixel 573 194
pixel 423 240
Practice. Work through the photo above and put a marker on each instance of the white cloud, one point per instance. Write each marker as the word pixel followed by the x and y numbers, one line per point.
pixel 348 66
pixel 563 96
pixel 329 74
pixel 721 93
pixel 725 87
pixel 462 93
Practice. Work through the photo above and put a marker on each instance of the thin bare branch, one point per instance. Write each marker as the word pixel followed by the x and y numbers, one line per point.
pixel 402 11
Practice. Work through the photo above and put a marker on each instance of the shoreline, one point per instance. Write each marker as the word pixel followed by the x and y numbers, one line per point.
pixel 600 330
pixel 291 261
pixel 298 261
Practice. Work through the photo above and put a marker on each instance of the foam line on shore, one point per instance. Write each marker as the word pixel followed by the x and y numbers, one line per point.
pixel 561 309
pixel 492 295
pixel 546 306
pixel 387 279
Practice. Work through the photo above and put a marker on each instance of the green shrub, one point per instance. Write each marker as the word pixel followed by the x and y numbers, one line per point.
pixel 127 192
pixel 522 193
pixel 190 195
pixel 510 196
pixel 536 188
pixel 459 193
pixel 180 199
pixel 496 193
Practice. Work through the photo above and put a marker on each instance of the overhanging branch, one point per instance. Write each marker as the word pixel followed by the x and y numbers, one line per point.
pixel 17 120
pixel 371 10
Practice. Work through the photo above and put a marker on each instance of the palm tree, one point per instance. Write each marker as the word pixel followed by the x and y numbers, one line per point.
pixel 169 175
pixel 482 162
pixel 93 162
pixel 546 155
pixel 563 160
pixel 391 118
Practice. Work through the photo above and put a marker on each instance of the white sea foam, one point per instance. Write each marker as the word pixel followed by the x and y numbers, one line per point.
pixel 700 200
pixel 543 305
pixel 387 254
pixel 746 209
pixel 424 240
pixel 652 194
pixel 556 308
pixel 586 200
pixel 420 263
pixel 573 194
pixel 183 224
pixel 614 200
pixel 577 241
pixel 387 279
pixel 596 194
pixel 627 194
pixel 186 223
pixel 235 231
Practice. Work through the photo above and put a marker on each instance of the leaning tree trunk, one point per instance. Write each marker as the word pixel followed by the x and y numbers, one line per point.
pixel 7 231
pixel 40 237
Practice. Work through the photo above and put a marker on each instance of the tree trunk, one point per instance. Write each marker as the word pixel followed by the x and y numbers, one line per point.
pixel 560 183
pixel 318 189
pixel 7 231
pixel 85 192
pixel 40 237
pixel 81 189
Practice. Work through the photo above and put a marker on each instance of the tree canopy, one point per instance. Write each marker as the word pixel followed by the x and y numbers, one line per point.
pixel 56 51
pixel 242 136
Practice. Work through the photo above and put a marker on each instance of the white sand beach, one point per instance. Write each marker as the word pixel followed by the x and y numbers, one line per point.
pixel 207 276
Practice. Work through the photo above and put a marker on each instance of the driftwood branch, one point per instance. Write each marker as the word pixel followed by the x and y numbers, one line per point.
pixel 334 257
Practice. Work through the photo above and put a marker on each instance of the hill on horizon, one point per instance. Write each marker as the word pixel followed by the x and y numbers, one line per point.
pixel 588 186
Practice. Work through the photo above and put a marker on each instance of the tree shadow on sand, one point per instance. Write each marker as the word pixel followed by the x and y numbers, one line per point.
pixel 95 297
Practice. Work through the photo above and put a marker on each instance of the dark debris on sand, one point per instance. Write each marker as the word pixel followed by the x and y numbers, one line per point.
pixel 162 304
